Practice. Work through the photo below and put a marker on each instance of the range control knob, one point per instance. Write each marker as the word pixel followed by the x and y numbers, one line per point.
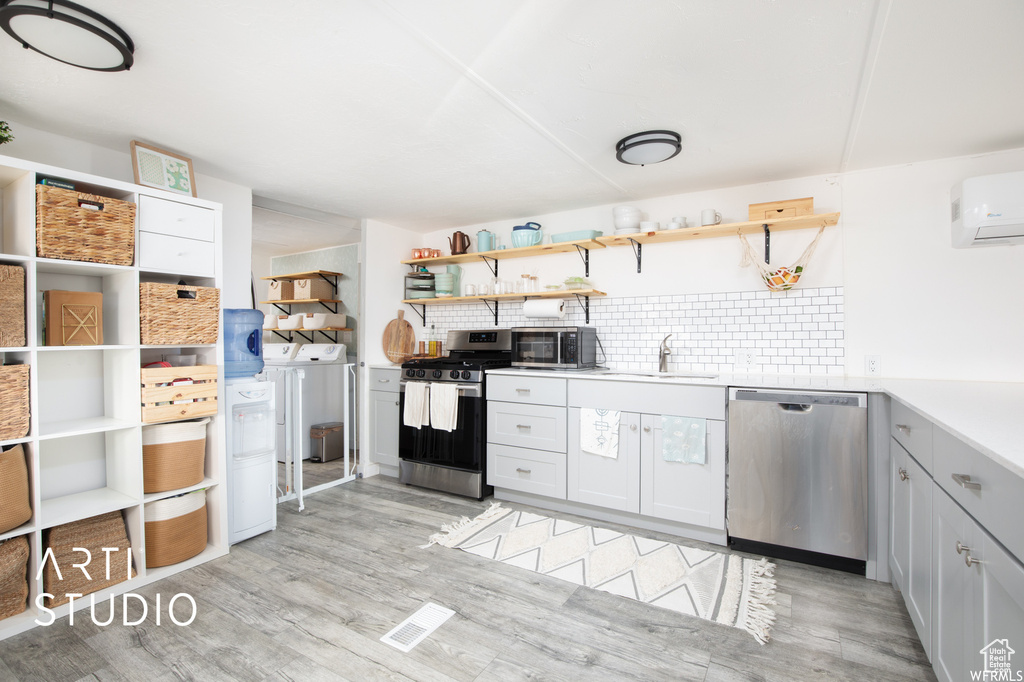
pixel 454 374
pixel 465 374
pixel 420 373
pixel 437 373
pixel 410 372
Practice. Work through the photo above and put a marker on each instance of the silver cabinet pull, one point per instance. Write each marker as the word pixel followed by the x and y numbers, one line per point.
pixel 632 427
pixel 647 429
pixel 961 548
pixel 384 381
pixel 396 402
pixel 523 426
pixel 970 561
pixel 522 471
pixel 904 428
pixel 523 390
pixel 964 481
pixel 903 474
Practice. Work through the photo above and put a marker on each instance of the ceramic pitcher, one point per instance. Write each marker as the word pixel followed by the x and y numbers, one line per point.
pixel 484 240
pixel 456 272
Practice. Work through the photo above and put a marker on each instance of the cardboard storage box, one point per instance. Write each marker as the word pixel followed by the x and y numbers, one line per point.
pixel 73 318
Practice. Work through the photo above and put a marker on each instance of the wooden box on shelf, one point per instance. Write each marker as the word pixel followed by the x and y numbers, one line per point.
pixel 14 410
pixel 175 393
pixel 176 314
pixel 73 318
pixel 173 455
pixel 281 290
pixel 13 576
pixel 98 534
pixel 315 288
pixel 12 306
pixel 175 529
pixel 789 208
pixel 71 225
pixel 15 496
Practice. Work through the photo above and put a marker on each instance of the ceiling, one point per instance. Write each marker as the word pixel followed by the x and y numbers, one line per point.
pixel 427 114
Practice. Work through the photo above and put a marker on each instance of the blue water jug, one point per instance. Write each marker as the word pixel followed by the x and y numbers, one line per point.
pixel 243 342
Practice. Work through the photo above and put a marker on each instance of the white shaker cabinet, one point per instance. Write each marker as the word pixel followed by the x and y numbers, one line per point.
pixel 911 537
pixel 608 482
pixel 385 415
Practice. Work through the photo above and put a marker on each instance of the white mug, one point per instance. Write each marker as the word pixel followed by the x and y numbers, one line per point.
pixel 680 220
pixel 470 290
pixel 710 216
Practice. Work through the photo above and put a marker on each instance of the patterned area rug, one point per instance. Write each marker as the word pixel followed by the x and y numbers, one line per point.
pixel 722 588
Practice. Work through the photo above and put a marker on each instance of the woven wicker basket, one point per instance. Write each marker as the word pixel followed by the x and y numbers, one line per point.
pixel 175 529
pixel 12 306
pixel 168 318
pixel 15 507
pixel 313 288
pixel 94 534
pixel 14 417
pixel 13 576
pixel 173 455
pixel 84 227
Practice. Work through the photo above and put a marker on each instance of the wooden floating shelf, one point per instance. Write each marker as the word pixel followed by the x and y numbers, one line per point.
pixel 303 329
pixel 301 300
pixel 656 237
pixel 561 293
pixel 302 275
pixel 505 254
pixel 709 231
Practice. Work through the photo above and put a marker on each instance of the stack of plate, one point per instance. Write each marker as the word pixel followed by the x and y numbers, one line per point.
pixel 444 284
pixel 419 285
pixel 627 219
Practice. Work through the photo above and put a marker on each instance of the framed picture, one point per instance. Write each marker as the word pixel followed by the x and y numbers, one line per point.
pixel 155 167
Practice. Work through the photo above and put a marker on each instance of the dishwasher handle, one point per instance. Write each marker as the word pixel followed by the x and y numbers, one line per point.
pixel 795 407
pixel 798 399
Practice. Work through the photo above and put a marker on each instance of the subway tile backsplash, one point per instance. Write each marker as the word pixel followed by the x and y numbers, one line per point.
pixel 792 332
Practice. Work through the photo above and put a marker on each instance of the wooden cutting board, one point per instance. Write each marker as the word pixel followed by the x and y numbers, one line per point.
pixel 399 339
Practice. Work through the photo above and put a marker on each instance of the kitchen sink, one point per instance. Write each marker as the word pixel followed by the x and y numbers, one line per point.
pixel 658 375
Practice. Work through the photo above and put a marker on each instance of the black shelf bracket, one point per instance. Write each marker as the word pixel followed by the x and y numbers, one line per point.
pixel 637 251
pixel 767 242
pixel 308 339
pixel 422 313
pixel 489 260
pixel 332 339
pixel 333 310
pixel 286 337
pixel 584 302
pixel 334 284
pixel 286 312
pixel 493 310
pixel 585 255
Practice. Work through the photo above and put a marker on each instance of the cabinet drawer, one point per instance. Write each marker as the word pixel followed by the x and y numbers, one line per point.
pixel 707 402
pixel 162 216
pixel 174 254
pixel 525 470
pixel 385 379
pixel 997 504
pixel 913 432
pixel 532 390
pixel 530 426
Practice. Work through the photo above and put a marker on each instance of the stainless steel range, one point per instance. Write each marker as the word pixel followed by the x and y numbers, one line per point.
pixel 454 461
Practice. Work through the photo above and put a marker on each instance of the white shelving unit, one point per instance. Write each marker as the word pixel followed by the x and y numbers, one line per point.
pixel 84 446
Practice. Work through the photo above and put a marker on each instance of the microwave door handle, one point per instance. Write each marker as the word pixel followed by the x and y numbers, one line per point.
pixel 558 345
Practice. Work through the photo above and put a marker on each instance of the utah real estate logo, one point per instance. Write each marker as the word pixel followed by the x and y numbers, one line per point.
pixel 997 654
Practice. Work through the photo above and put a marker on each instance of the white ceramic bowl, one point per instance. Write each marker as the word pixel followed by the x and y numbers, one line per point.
pixel 650 226
pixel 627 223
pixel 623 210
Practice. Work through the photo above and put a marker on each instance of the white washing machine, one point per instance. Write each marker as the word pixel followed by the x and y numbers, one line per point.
pixel 252 467
pixel 316 397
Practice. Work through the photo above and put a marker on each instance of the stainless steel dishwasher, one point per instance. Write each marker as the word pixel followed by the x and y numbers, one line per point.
pixel 797 476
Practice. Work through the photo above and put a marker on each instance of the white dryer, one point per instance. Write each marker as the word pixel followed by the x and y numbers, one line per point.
pixel 252 467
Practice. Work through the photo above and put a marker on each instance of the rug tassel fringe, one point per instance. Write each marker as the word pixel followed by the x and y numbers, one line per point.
pixel 760 615
pixel 449 532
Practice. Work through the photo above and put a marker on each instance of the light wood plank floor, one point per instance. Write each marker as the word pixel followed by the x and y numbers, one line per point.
pixel 311 600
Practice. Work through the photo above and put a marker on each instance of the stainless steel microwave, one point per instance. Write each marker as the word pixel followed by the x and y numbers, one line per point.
pixel 554 347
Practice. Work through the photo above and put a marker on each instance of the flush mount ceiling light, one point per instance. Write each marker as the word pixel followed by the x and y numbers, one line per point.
pixel 652 146
pixel 68 32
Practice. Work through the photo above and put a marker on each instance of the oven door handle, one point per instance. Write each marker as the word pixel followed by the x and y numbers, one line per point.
pixel 466 390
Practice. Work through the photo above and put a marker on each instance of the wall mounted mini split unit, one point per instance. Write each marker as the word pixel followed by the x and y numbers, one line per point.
pixel 988 210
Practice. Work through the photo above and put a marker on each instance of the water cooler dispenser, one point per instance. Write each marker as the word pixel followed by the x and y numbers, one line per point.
pixel 252 461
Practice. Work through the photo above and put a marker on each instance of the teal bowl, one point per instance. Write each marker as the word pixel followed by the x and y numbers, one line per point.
pixel 521 238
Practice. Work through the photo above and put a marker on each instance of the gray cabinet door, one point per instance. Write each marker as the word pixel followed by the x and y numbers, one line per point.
pixel 953 600
pixel 612 483
pixel 384 416
pixel 999 605
pixel 899 515
pixel 917 592
pixel 677 491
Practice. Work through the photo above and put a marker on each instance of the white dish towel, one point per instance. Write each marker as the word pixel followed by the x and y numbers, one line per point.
pixel 599 432
pixel 417 406
pixel 444 406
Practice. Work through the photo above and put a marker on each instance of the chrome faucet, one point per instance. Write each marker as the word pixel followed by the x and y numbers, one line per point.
pixel 663 354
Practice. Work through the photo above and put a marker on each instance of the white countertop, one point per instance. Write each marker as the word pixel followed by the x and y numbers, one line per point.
pixel 989 416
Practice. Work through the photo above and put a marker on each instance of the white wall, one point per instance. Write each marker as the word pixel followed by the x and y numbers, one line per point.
pixel 43 147
pixel 929 311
